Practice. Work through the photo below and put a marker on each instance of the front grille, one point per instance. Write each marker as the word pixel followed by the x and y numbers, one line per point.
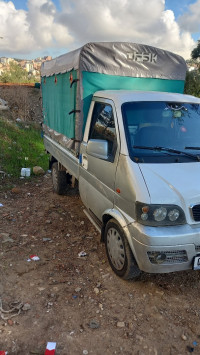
pixel 172 257
pixel 196 212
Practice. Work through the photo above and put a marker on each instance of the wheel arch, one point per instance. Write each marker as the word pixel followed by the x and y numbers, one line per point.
pixel 115 214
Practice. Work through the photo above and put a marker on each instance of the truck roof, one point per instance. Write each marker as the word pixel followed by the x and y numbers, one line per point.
pixel 119 58
pixel 121 96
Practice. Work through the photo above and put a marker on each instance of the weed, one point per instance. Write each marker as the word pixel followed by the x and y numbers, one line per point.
pixel 21 145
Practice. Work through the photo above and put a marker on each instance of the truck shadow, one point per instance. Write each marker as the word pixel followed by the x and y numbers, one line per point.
pixel 177 282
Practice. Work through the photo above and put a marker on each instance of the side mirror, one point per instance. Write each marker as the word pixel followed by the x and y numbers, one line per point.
pixel 98 148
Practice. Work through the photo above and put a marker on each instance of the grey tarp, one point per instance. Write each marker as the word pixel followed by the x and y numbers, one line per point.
pixel 119 58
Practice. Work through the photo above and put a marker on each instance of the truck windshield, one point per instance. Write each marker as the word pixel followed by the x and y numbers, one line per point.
pixel 162 131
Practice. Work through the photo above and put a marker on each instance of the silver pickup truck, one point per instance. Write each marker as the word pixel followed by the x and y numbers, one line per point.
pixel 117 122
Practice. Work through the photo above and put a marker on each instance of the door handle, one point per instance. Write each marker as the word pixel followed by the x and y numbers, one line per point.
pixel 84 161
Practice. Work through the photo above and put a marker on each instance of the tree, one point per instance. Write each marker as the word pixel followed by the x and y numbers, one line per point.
pixel 196 51
pixel 15 74
pixel 192 83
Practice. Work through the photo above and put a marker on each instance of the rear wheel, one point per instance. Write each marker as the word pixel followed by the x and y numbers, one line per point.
pixel 59 179
pixel 119 253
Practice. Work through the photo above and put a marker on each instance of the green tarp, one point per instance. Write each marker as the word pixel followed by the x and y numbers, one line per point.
pixel 92 82
pixel 59 99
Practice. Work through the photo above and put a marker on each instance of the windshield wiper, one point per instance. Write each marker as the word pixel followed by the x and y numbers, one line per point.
pixel 170 150
pixel 194 148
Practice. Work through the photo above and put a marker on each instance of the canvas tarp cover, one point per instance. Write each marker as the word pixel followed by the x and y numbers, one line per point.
pixel 59 100
pixel 100 66
pixel 119 58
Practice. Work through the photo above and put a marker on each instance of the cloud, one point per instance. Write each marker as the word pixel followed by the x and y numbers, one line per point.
pixel 46 31
pixel 190 21
pixel 26 31
pixel 14 29
pixel 43 27
pixel 124 20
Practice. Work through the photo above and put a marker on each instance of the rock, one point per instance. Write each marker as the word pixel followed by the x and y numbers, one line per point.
pixel 78 289
pixel 21 269
pixel 120 324
pixel 105 275
pixel 94 324
pixel 15 190
pixel 183 336
pixel 26 307
pixel 37 170
pixel 101 306
pixel 41 289
pixel 96 290
pixel 139 337
pixel 5 238
pixel 161 293
pixel 46 239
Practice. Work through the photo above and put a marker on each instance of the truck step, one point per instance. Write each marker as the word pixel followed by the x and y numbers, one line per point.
pixel 93 219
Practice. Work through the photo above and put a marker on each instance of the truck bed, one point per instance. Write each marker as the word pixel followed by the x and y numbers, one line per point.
pixel 63 156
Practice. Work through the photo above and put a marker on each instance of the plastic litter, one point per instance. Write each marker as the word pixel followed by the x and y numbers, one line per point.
pixel 2 352
pixel 2 173
pixel 1 205
pixel 50 348
pixel 34 257
pixel 25 172
pixel 3 105
pixel 82 254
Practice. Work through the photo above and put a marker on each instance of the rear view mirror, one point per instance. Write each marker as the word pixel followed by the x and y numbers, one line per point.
pixel 98 148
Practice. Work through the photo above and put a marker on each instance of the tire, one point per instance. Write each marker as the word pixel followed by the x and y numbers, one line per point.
pixel 59 179
pixel 118 251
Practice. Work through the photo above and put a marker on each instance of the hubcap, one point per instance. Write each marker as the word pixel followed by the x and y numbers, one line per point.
pixel 115 247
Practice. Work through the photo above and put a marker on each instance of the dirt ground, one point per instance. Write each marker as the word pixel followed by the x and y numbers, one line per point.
pixel 24 102
pixel 78 302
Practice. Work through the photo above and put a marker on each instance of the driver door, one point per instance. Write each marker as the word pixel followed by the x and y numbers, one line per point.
pixel 97 172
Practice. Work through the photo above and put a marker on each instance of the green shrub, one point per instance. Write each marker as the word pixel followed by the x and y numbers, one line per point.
pixel 21 146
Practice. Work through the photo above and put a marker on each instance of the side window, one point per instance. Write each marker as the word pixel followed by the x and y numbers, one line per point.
pixel 103 127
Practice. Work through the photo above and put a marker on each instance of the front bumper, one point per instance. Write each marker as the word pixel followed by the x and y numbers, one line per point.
pixel 177 246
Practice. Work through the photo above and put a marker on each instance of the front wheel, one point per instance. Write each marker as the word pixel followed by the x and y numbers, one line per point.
pixel 119 253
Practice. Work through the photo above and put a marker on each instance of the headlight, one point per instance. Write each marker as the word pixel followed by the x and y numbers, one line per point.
pixel 159 215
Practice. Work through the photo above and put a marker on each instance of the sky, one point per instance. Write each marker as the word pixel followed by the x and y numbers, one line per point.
pixel 36 28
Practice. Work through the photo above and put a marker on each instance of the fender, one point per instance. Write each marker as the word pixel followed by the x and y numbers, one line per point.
pixel 123 222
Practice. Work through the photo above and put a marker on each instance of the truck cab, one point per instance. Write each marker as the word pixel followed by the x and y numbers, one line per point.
pixel 139 169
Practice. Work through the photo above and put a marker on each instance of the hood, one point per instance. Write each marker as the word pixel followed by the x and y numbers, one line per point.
pixel 177 184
